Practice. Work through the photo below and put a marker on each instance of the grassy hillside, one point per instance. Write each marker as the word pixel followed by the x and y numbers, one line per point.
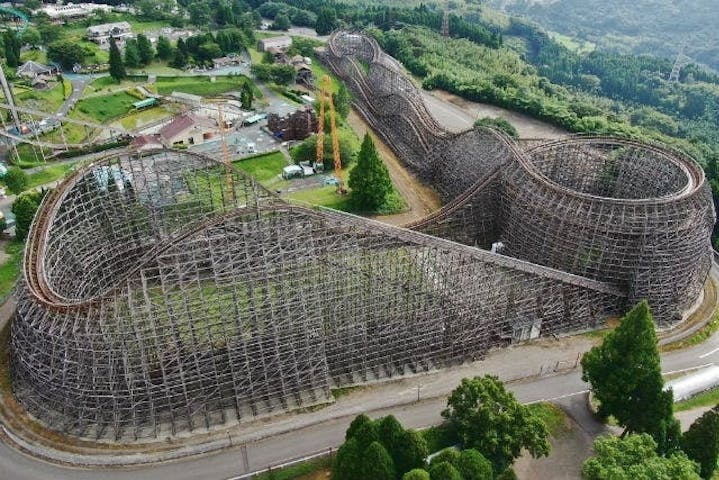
pixel 644 26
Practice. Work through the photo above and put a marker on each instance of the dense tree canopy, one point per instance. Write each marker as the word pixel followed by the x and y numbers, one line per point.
pixel 489 419
pixel 701 442
pixel 635 457
pixel 378 449
pixel 625 375
pixel 15 179
pixel 164 48
pixel 144 50
pixel 24 208
pixel 369 180
pixel 117 65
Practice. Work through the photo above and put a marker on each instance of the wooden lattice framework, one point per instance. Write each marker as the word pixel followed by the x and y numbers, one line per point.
pixel 631 214
pixel 156 300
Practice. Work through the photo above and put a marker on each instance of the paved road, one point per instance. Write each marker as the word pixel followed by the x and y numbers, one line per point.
pixel 228 463
pixel 79 82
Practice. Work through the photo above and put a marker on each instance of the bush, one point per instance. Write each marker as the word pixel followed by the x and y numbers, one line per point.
pixel 416 474
pixel 24 207
pixel 444 471
pixel 16 180
pixel 499 124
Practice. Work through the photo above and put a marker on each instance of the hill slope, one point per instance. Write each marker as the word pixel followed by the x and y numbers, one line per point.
pixel 641 26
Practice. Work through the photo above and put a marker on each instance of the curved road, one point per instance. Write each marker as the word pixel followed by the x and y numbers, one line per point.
pixel 271 451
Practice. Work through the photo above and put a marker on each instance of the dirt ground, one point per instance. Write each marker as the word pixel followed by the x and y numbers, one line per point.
pixel 421 200
pixel 3 256
pixel 467 111
pixel 570 447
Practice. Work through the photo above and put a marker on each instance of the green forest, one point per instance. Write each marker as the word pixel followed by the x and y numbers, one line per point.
pixel 513 63
pixel 656 27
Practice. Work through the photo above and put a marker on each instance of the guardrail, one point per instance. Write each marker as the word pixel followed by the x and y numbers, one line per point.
pixel 329 451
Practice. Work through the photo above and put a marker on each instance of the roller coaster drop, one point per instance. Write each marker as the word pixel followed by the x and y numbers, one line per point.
pixel 156 300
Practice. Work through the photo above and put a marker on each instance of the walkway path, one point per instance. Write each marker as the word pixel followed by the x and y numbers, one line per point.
pixel 543 370
pixel 78 86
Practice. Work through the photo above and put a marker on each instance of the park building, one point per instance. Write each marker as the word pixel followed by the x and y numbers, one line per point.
pixel 280 43
pixel 101 34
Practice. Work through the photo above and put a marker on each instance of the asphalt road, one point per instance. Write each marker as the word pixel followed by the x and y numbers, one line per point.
pixel 228 463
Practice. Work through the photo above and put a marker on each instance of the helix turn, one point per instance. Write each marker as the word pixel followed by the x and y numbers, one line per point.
pixel 159 297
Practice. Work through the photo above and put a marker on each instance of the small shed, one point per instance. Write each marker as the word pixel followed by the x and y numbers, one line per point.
pixel 255 118
pixel 146 103
pixel 292 171
pixel 282 42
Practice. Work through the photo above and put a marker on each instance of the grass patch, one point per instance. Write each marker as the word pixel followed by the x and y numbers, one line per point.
pixel 109 84
pixel 49 174
pixel 143 117
pixel 255 55
pixel 105 107
pixel 300 469
pixel 10 270
pixel 327 196
pixel 157 67
pixel 439 437
pixel 393 203
pixel 709 398
pixel 263 167
pixel 552 416
pixel 47 100
pixel 701 335
pixel 343 391
pixel 323 196
pixel 573 44
pixel 201 85
pixel 39 56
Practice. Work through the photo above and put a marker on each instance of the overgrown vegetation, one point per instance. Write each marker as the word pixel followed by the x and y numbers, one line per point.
pixel 102 108
pixel 704 399
pixel 10 269
pixel 201 85
pixel 263 167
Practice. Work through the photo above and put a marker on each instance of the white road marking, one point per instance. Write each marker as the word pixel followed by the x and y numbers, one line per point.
pixel 689 369
pixel 709 353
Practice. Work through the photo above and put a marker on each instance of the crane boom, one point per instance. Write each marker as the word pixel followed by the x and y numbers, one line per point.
pixel 325 96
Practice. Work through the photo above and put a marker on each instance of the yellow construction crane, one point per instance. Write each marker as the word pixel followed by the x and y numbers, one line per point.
pixel 226 159
pixel 325 97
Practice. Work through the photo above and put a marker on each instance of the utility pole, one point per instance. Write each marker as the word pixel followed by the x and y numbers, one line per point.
pixel 445 24
pixel 681 61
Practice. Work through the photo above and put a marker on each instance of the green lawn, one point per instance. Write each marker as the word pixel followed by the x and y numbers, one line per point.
pixel 255 55
pixel 46 100
pixel 553 417
pixel 201 85
pixel 157 67
pixel 322 196
pixel 298 470
pixel 109 84
pixel 39 56
pixel 105 107
pixel 263 167
pixel 10 270
pixel 138 119
pixel 705 399
pixel 49 174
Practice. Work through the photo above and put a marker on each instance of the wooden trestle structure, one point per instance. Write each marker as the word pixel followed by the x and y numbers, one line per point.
pixel 155 301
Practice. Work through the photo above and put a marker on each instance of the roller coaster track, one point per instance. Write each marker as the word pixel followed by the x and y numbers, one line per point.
pixel 466 167
pixel 18 14
pixel 160 302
